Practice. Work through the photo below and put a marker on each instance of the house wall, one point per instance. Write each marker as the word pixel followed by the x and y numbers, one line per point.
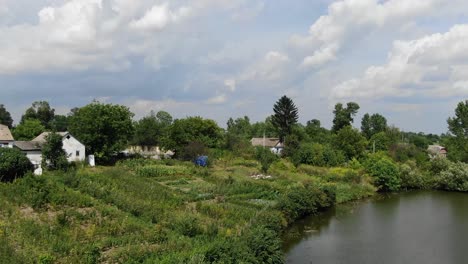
pixel 35 156
pixel 72 146
pixel 6 144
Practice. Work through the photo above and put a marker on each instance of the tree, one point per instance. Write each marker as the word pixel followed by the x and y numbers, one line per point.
pixel 371 125
pixel 265 128
pixel 458 127
pixel 105 129
pixel 240 127
pixel 5 117
pixel 28 129
pixel 285 116
pixel 13 164
pixel 53 155
pixel 41 111
pixel 193 129
pixel 317 133
pixel 152 129
pixel 351 142
pixel 344 116
pixel 59 123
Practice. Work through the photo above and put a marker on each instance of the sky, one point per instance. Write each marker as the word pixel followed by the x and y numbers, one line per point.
pixel 407 60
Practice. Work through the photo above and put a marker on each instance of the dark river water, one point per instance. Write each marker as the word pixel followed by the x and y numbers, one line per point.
pixel 414 227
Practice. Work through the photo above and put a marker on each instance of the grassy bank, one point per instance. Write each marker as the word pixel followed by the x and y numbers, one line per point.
pixel 143 211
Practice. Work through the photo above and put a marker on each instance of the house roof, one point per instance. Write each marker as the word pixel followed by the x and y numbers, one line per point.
pixel 5 133
pixel 28 145
pixel 436 149
pixel 42 137
pixel 267 142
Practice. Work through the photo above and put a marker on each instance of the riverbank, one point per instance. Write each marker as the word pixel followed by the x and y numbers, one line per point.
pixel 143 211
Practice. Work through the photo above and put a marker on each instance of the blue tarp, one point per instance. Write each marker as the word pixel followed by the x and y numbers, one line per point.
pixel 202 161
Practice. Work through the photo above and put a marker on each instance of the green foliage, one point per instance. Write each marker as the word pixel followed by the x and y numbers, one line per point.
pixel 59 123
pixel 265 128
pixel 453 178
pixel 53 155
pixel 265 157
pixel 192 151
pixel 318 155
pixel 285 116
pixel 5 117
pixel 13 164
pixel 104 128
pixel 458 126
pixel 41 111
pixel 385 172
pixel 379 142
pixel 350 142
pixel 344 116
pixel 193 129
pixel 152 129
pixel 316 133
pixel 160 170
pixel 412 177
pixel 28 130
pixel 403 152
pixel 371 125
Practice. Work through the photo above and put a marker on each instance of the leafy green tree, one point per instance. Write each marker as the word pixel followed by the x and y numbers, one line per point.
pixel 54 156
pixel 265 128
pixel 13 164
pixel 105 129
pixel 151 130
pixel 28 129
pixel 317 133
pixel 351 142
pixel 285 116
pixel 385 172
pixel 238 134
pixel 379 142
pixel 59 123
pixel 373 124
pixel 344 116
pixel 193 129
pixel 41 111
pixel 458 127
pixel 265 157
pixel 5 117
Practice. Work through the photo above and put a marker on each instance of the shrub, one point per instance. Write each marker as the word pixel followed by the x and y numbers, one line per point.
pixel 265 157
pixel 13 164
pixel 454 178
pixel 385 172
pixel 412 177
pixel 265 245
pixel 160 171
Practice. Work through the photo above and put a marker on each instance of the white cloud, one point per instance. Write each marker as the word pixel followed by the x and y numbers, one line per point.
pixel 432 66
pixel 270 68
pixel 354 19
pixel 159 17
pixel 219 99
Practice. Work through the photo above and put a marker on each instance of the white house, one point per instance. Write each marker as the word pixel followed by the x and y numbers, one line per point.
pixel 273 144
pixel 6 139
pixel 32 151
pixel 75 149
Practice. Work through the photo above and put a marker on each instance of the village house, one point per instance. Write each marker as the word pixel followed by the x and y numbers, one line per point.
pixel 74 149
pixel 273 144
pixel 436 151
pixel 6 139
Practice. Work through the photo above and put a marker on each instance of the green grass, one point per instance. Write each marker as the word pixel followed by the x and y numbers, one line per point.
pixel 144 211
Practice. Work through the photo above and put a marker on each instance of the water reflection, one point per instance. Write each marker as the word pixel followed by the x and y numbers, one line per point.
pixel 416 227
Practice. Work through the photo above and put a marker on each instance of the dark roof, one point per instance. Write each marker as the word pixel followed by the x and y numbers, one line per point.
pixel 267 142
pixel 5 133
pixel 27 145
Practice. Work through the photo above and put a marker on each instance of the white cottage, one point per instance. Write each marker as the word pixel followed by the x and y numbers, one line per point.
pixel 32 150
pixel 6 139
pixel 73 147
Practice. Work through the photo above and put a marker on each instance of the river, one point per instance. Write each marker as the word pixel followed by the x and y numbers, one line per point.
pixel 414 227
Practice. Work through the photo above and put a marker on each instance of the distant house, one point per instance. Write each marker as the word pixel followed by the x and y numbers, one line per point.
pixel 273 144
pixel 6 139
pixel 436 151
pixel 32 151
pixel 73 147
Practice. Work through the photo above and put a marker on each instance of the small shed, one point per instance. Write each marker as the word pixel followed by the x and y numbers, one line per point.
pixel 437 151
pixel 273 144
pixel 73 147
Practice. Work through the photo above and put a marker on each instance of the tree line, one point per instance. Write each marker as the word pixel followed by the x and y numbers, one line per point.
pixel 106 129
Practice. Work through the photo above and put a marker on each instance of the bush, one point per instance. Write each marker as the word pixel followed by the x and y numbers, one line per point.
pixel 13 164
pixel 412 177
pixel 265 157
pixel 384 171
pixel 454 178
pixel 160 171
pixel 318 155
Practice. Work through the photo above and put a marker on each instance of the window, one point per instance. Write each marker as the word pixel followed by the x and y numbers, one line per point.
pixel 77 153
pixel 68 137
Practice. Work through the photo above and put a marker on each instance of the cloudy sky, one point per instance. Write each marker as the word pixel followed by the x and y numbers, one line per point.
pixel 228 58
